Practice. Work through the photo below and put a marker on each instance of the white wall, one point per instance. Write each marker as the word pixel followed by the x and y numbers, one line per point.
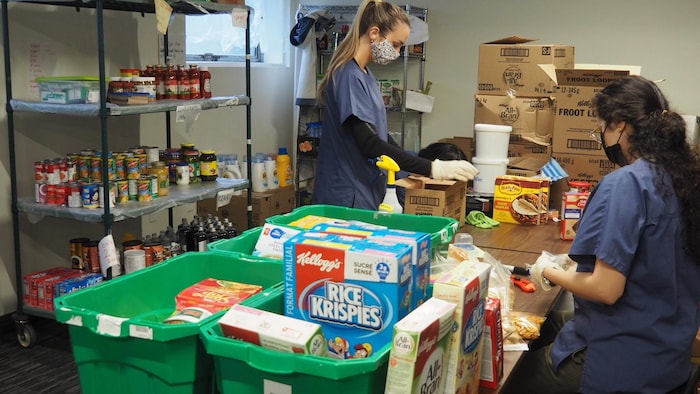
pixel 659 36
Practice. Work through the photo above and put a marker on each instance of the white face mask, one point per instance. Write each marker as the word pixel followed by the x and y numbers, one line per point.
pixel 383 52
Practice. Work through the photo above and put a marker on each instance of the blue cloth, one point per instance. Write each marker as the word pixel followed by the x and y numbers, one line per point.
pixel 641 344
pixel 343 176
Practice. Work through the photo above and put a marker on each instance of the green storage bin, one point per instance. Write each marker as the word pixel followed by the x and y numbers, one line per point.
pixel 245 368
pixel 441 228
pixel 244 243
pixel 119 342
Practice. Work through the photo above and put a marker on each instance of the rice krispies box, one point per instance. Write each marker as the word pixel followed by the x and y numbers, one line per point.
pixel 466 286
pixel 420 245
pixel 355 288
pixel 418 356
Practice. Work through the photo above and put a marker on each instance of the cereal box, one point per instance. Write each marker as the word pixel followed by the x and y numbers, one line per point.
pixel 419 349
pixel 273 331
pixel 419 242
pixel 271 240
pixel 492 355
pixel 309 221
pixel 466 286
pixel 215 294
pixel 355 288
pixel 521 200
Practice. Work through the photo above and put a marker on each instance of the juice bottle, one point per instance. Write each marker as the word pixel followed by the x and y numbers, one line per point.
pixel 205 82
pixel 195 90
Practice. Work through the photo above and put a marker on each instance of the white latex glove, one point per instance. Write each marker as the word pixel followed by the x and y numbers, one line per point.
pixel 460 170
pixel 546 260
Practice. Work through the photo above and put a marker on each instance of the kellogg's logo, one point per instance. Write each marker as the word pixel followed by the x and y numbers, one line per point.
pixel 316 259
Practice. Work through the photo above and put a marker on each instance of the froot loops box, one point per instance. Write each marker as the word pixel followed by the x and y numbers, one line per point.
pixel 355 288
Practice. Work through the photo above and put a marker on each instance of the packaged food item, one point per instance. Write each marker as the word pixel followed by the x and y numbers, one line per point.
pixel 188 315
pixel 492 354
pixel 215 294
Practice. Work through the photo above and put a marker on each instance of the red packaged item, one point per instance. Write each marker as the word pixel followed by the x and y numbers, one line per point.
pixel 47 293
pixel 30 284
pixel 215 295
pixel 492 358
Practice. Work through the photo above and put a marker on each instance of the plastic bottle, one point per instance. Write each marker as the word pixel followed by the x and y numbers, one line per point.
pixel 184 236
pixel 258 174
pixel 205 82
pixel 200 239
pixel 271 171
pixel 391 201
pixel 285 173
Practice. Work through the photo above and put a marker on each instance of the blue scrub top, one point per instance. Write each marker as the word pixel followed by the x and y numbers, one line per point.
pixel 343 175
pixel 642 343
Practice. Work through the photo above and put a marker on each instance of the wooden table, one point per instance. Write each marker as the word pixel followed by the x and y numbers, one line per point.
pixel 517 245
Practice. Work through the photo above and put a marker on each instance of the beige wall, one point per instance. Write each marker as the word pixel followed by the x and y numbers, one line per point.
pixel 659 36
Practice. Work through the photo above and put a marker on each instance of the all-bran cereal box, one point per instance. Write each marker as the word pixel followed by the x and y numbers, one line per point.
pixel 273 331
pixel 419 347
pixel 492 355
pixel 355 288
pixel 466 286
pixel 420 243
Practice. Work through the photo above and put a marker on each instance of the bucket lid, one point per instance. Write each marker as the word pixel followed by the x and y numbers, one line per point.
pixel 493 128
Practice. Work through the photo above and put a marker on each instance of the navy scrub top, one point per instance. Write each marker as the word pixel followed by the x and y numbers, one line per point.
pixel 343 175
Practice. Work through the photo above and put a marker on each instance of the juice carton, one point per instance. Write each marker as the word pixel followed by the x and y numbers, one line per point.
pixel 572 204
pixel 272 239
pixel 355 288
pixel 420 243
pixel 521 200
pixel 492 355
pixel 273 331
pixel 419 349
pixel 466 286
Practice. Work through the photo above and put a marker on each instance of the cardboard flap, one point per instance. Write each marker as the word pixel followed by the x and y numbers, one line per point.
pixel 512 40
pixel 582 73
pixel 527 163
pixel 422 182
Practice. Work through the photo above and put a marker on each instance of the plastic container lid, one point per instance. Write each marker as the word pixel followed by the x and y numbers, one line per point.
pixel 493 128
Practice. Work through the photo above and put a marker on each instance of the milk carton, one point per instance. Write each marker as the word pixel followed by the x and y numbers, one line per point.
pixel 356 289
pixel 419 349
pixel 466 286
pixel 419 242
pixel 273 331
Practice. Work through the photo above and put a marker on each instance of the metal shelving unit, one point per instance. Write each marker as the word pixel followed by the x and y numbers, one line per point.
pixel 107 216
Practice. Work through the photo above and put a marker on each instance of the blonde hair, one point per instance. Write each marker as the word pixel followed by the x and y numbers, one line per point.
pixel 386 16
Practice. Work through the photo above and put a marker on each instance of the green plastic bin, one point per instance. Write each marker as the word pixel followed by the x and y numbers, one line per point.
pixel 441 228
pixel 120 344
pixel 245 368
pixel 244 243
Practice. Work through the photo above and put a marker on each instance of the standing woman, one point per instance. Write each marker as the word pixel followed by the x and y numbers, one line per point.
pixel 637 284
pixel 354 117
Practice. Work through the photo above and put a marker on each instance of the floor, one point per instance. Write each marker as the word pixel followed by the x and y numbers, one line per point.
pixel 47 367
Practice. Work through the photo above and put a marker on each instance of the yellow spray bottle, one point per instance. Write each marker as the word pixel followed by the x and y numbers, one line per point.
pixel 391 201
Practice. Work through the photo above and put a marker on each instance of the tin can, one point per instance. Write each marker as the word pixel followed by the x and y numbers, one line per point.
pixel 51 195
pixel 90 195
pixel 112 195
pixel 147 248
pixel 120 165
pixel 96 168
pixel 133 189
pixel 62 170
pixel 122 190
pixel 75 197
pixel 39 174
pixel 154 185
pixel 84 168
pixel 76 253
pixel 132 244
pixel 157 251
pixel 144 189
pixel 152 154
pixel 91 256
pixel 72 173
pixel 133 169
pixel 53 175
pixel 40 193
pixel 134 260
pixel 143 162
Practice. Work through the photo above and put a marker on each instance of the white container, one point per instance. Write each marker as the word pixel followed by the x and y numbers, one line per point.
pixel 492 140
pixel 489 169
pixel 258 175
pixel 273 181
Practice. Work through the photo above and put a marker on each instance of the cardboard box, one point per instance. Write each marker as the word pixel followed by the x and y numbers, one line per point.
pixel 425 196
pixel 572 204
pixel 466 286
pixel 584 167
pixel 419 102
pixel 525 166
pixel 419 349
pixel 528 149
pixel 511 64
pixel 265 204
pixel 521 200
pixel 574 116
pixel 466 144
pixel 492 361
pixel 531 118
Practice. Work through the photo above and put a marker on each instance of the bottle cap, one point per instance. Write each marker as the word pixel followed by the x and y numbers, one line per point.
pixel 282 151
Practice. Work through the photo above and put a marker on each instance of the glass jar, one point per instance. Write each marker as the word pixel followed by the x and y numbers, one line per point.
pixel 183 83
pixel 195 91
pixel 208 166
pixel 161 170
pixel 192 159
pixel 170 82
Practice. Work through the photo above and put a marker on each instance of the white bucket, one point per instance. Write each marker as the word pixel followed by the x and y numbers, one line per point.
pixel 489 169
pixel 492 140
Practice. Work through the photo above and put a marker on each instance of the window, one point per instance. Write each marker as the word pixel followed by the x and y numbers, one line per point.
pixel 212 38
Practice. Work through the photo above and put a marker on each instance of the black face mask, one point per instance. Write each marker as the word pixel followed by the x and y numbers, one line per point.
pixel 614 153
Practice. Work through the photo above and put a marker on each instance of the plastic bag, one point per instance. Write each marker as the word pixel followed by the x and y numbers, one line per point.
pixel 519 328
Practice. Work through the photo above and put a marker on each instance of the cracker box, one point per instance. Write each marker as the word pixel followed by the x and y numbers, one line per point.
pixel 273 331
pixel 29 283
pixel 572 204
pixel 420 245
pixel 272 239
pixel 215 295
pixel 466 286
pixel 47 288
pixel 419 349
pixel 521 200
pixel 76 283
pixel 492 355
pixel 356 288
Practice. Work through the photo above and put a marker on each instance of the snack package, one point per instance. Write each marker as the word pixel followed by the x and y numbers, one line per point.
pixel 519 328
pixel 215 294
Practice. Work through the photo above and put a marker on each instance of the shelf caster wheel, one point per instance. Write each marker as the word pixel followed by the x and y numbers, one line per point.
pixel 26 335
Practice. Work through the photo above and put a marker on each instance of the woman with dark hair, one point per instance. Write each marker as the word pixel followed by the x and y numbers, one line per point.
pixel 637 283
pixel 354 117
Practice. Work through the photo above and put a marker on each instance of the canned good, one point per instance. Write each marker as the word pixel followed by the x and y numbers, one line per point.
pixel 91 256
pixel 96 169
pixel 72 173
pixel 120 165
pixel 122 191
pixel 152 154
pixel 62 170
pixel 144 189
pixel 172 157
pixel 90 195
pixel 154 186
pixel 132 244
pixel 112 195
pixel 39 174
pixel 76 253
pixel 53 174
pixel 75 197
pixel 56 194
pixel 133 169
pixel 157 251
pixel 84 168
pixel 148 249
pixel 133 189
pixel 134 260
pixel 143 162
pixel 40 193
